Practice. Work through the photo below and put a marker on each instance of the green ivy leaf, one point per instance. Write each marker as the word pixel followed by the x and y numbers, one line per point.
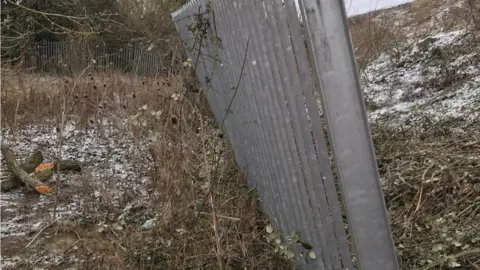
pixel 278 241
pixel 270 237
pixel 289 254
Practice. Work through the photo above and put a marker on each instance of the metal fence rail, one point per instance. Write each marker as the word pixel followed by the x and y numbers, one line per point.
pixel 70 57
pixel 250 57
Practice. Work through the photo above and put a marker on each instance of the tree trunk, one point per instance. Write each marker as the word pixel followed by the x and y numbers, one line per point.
pixel 29 167
pixel 44 175
pixel 67 165
pixel 17 171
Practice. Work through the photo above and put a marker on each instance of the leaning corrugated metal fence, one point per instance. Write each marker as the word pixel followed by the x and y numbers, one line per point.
pixel 262 70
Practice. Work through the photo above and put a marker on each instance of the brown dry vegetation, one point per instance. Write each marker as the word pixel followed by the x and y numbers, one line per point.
pixel 429 176
pixel 210 219
pixel 387 30
pixel 202 227
pixel 430 171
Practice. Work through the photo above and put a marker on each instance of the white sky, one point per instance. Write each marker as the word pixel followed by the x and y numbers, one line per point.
pixel 362 6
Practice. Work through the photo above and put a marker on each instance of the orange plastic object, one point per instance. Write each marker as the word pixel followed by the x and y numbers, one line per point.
pixel 43 166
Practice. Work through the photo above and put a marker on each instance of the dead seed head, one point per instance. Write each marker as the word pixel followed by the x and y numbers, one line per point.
pixel 174 120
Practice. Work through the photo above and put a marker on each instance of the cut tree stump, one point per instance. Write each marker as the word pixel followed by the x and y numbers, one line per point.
pixel 17 171
pixel 32 162
pixel 29 167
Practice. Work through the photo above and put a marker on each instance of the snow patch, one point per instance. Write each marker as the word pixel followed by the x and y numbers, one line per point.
pixel 434 79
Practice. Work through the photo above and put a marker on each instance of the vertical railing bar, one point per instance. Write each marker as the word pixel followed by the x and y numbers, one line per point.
pixel 49 57
pixel 143 61
pixel 105 59
pixel 349 134
pixel 146 63
pixel 151 65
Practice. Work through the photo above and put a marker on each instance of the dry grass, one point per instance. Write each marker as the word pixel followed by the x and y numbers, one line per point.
pixel 375 33
pixel 430 172
pixel 430 177
pixel 209 217
pixel 389 30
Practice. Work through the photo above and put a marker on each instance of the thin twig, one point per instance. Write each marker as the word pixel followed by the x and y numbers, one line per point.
pixel 217 161
pixel 222 216
pixel 238 84
pixel 15 118
pixel 59 155
pixel 218 247
pixel 43 229
pixel 420 196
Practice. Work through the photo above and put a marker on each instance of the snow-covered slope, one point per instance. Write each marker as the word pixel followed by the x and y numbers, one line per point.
pixel 436 77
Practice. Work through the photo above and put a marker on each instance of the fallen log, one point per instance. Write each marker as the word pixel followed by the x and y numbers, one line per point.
pixel 61 165
pixel 21 174
pixel 32 162
pixel 43 175
pixel 67 165
pixel 28 166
